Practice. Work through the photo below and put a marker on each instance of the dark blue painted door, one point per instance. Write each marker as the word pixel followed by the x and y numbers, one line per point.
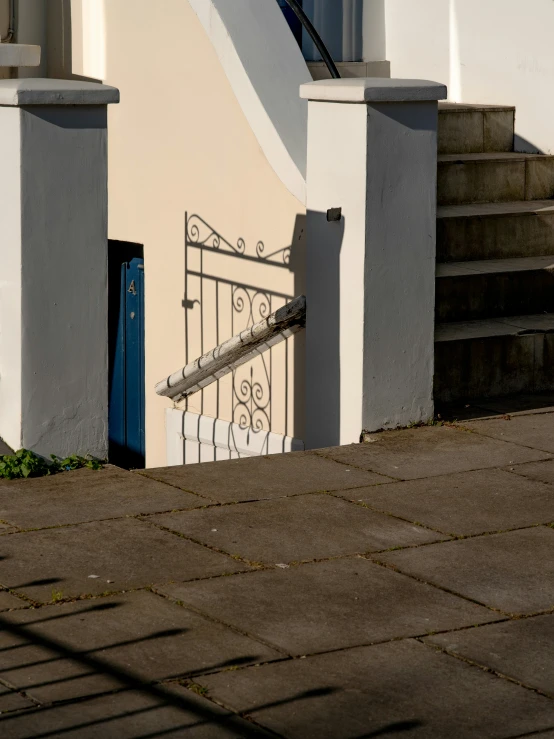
pixel 127 438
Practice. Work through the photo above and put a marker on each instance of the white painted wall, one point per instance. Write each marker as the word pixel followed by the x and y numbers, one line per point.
pixel 64 275
pixel 53 252
pixel 193 439
pixel 10 277
pixel 487 51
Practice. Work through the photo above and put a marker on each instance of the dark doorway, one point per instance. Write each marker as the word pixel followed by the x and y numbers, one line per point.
pixel 126 339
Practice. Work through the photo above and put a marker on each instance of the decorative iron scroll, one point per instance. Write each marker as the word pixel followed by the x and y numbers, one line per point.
pixel 252 383
pixel 252 394
pixel 199 233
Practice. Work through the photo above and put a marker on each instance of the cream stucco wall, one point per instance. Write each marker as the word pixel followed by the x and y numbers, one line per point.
pixel 180 142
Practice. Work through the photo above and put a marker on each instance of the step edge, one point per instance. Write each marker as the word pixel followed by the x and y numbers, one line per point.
pixel 497 210
pixel 507 326
pixel 499 266
pixel 481 157
pixel 446 107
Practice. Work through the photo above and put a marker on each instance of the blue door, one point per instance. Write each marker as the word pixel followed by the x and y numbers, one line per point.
pixel 127 387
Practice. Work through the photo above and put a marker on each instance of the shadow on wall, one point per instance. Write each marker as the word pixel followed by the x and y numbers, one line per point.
pixel 521 144
pixel 229 286
pixel 323 320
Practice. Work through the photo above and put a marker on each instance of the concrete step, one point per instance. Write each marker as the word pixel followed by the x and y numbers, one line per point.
pixel 494 178
pixel 492 358
pixel 498 287
pixel 473 129
pixel 495 230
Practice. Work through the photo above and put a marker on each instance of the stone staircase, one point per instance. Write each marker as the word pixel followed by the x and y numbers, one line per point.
pixel 495 259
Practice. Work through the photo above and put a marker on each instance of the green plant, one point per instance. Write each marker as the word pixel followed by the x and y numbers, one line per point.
pixel 75 462
pixel 25 463
pixel 198 689
pixel 57 595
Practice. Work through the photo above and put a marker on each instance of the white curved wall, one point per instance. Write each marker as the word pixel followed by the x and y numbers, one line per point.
pixel 265 68
pixel 487 51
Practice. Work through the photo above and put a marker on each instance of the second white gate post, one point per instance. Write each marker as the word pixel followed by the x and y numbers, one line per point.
pixel 372 170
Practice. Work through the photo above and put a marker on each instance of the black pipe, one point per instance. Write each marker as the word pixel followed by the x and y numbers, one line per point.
pixel 316 38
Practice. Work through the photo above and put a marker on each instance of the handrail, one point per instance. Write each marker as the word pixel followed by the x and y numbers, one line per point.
pixel 316 38
pixel 235 352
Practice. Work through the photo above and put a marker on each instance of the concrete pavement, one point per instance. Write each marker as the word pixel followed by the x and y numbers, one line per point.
pixel 403 587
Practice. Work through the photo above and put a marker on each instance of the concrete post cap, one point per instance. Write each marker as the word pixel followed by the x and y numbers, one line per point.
pixel 372 90
pixel 55 92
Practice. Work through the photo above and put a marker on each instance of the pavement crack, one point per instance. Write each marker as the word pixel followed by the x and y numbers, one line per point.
pixel 170 484
pixel 213 619
pixel 484 668
pixel 395 568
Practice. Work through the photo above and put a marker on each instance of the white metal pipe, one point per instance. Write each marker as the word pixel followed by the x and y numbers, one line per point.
pixel 235 352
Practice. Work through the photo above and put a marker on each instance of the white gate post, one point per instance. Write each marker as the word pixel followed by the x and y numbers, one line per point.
pixel 53 266
pixel 372 153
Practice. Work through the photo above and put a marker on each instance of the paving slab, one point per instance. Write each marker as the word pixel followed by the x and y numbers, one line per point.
pixel 10 700
pixel 257 478
pixel 87 495
pixel 9 601
pixel 539 471
pixel 399 689
pixel 536 430
pixel 465 503
pixel 520 649
pixel 429 451
pixel 93 558
pixel 132 714
pixel 294 529
pixel 328 605
pixel 80 649
pixel 513 572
